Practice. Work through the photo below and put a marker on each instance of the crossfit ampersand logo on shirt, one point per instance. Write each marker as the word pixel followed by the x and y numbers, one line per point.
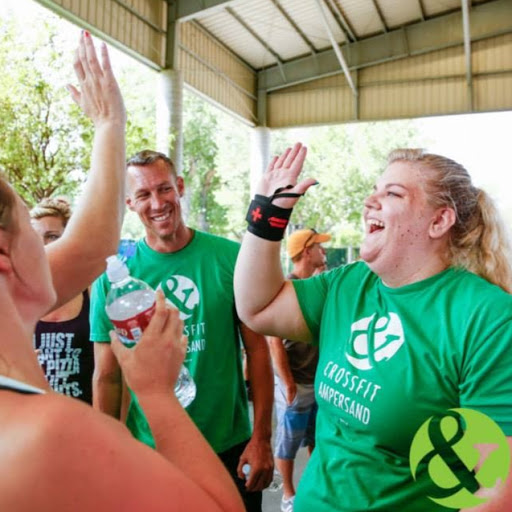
pixel 374 339
pixel 182 292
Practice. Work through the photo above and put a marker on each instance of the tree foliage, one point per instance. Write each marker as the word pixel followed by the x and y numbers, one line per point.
pixel 45 140
pixel 43 137
pixel 138 85
pixel 199 167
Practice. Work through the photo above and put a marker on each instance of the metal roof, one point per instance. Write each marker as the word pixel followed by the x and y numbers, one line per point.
pixel 268 32
pixel 344 58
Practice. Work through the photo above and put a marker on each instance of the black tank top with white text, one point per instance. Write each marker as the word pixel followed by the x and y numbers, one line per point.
pixel 66 354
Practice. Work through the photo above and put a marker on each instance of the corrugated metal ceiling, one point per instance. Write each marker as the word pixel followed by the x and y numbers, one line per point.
pixel 292 62
pixel 268 32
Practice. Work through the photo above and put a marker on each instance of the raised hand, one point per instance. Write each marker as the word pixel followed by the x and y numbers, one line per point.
pixel 153 365
pixel 284 170
pixel 98 95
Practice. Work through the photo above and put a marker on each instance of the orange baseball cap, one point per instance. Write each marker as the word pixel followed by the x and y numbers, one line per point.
pixel 303 238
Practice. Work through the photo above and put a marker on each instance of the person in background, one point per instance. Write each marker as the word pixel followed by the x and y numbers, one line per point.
pixel 294 367
pixel 57 453
pixel 420 326
pixel 195 271
pixel 62 336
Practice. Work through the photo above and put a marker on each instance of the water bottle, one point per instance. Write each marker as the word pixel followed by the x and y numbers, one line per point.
pixel 130 304
pixel 246 470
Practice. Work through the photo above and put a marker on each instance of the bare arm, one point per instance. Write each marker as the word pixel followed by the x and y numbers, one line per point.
pixel 258 452
pixel 107 386
pixel 162 350
pixel 91 463
pixel 264 300
pixel 282 366
pixel 92 234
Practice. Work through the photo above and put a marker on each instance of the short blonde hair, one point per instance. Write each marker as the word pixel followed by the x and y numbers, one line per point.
pixel 52 207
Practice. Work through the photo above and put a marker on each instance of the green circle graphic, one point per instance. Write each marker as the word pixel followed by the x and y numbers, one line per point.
pixel 448 447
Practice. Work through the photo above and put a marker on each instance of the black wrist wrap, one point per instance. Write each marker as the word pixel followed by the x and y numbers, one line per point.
pixel 267 220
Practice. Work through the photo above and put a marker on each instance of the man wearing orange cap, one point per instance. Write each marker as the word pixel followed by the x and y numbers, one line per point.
pixel 295 365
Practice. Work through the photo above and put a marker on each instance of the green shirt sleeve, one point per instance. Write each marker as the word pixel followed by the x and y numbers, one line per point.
pixel 312 294
pixel 100 323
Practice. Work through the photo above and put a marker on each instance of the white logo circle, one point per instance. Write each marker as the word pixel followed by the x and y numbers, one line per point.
pixel 373 340
pixel 182 293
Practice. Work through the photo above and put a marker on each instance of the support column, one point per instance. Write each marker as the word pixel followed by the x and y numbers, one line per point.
pixel 169 102
pixel 169 116
pixel 260 141
pixel 260 154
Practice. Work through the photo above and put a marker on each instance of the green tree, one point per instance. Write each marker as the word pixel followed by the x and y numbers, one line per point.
pixel 233 161
pixel 199 167
pixel 138 85
pixel 43 138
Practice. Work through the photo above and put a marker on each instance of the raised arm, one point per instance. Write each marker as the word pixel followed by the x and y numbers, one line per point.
pixel 265 301
pixel 92 234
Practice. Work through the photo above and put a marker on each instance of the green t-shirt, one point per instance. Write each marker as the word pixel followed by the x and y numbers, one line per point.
pixel 198 280
pixel 390 358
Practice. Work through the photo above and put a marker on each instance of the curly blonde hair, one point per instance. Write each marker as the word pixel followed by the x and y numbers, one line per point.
pixel 479 241
pixel 52 207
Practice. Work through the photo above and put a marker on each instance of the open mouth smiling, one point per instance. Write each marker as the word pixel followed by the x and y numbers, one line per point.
pixel 374 225
pixel 161 218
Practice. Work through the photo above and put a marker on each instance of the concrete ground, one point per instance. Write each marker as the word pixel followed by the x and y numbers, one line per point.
pixel 272 499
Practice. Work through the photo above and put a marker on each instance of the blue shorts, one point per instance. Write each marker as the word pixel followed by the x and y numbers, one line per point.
pixel 295 422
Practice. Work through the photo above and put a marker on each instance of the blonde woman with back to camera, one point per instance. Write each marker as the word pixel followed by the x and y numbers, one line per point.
pixel 422 325
pixel 57 453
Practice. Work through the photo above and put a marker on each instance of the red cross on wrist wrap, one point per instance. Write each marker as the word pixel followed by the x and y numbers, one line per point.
pixel 266 220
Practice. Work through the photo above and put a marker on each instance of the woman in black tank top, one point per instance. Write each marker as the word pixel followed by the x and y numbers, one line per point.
pixel 62 336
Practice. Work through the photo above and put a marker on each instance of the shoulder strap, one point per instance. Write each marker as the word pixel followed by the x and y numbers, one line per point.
pixel 15 385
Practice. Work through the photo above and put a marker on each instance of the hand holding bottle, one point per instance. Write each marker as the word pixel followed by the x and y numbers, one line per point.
pixel 153 365
pixel 130 305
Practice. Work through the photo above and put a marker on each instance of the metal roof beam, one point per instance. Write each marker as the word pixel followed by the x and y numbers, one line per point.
pixel 422 10
pixel 258 38
pixel 342 22
pixel 336 47
pixel 189 9
pixel 381 16
pixel 487 20
pixel 297 29
pixel 467 51
pixel 139 16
